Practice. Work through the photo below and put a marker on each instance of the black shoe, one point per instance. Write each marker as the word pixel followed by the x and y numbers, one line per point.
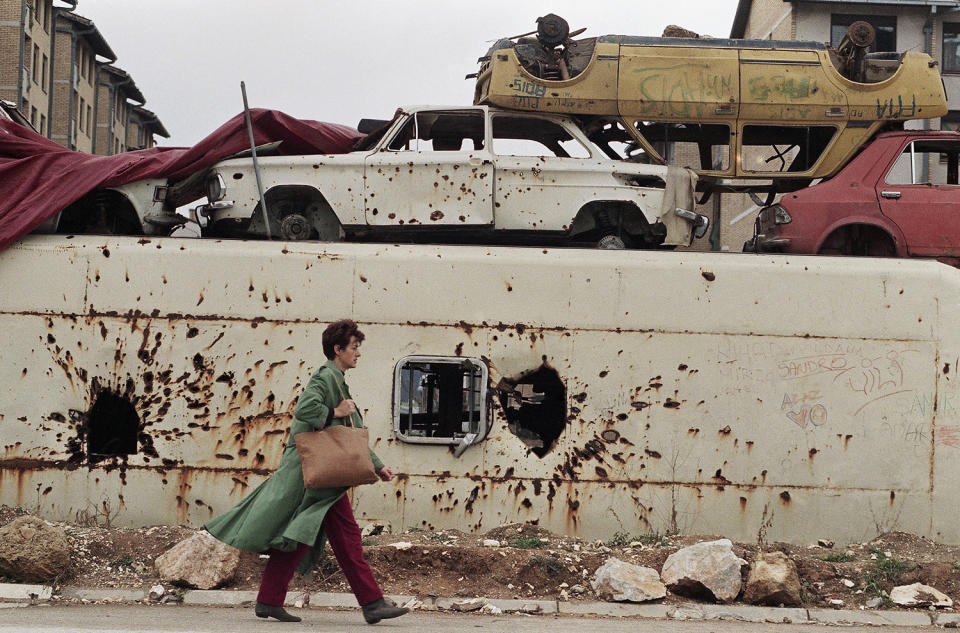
pixel 270 611
pixel 382 609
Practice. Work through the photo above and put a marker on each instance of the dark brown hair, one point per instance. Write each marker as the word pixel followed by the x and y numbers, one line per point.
pixel 339 333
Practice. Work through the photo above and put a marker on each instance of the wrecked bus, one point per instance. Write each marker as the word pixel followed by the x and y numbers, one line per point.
pixel 782 111
pixel 589 391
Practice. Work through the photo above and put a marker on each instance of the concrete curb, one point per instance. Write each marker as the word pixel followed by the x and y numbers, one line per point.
pixel 14 595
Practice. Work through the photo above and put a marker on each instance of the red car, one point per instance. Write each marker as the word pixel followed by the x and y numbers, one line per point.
pixel 898 198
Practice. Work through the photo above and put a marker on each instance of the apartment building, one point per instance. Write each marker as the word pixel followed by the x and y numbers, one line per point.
pixel 25 57
pixel 57 69
pixel 143 128
pixel 76 45
pixel 115 91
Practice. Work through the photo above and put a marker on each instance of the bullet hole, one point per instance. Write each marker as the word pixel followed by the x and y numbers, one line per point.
pixel 785 497
pixel 112 427
pixel 946 368
pixel 709 276
pixel 535 405
pixel 610 435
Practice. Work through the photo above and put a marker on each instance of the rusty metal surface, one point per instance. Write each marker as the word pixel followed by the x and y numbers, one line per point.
pixel 706 393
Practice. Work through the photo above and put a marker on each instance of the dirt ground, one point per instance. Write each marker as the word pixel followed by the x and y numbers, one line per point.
pixel 529 563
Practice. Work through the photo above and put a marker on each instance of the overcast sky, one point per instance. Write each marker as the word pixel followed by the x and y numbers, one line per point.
pixel 340 61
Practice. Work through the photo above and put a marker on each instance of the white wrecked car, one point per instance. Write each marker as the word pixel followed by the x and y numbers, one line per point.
pixel 459 175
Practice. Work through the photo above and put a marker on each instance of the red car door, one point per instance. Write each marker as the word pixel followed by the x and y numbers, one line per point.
pixel 920 193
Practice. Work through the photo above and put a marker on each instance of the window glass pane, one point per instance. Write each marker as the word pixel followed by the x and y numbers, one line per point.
pixel 933 163
pixel 441 132
pixel 530 136
pixel 439 399
pixel 774 148
pixel 885 27
pixel 700 146
pixel 951 47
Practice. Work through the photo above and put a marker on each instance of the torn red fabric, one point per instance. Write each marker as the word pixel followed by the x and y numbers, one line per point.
pixel 39 178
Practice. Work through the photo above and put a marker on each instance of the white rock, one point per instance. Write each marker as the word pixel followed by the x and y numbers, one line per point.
pixel 199 561
pixel 157 592
pixel 490 542
pixel 617 580
pixel 402 545
pixel 848 583
pixel 491 608
pixel 836 602
pixel 467 606
pixel 918 594
pixel 711 565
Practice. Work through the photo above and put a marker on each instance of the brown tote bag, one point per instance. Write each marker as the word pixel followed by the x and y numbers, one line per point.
pixel 336 457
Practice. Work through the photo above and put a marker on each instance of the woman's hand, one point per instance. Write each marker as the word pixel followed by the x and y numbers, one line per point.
pixel 385 473
pixel 344 409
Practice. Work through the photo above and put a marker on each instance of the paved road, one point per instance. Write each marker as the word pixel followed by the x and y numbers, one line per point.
pixel 111 618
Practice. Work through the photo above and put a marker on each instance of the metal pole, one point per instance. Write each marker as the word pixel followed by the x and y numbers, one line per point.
pixel 256 167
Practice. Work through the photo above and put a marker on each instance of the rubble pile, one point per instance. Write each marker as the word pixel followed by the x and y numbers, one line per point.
pixel 520 561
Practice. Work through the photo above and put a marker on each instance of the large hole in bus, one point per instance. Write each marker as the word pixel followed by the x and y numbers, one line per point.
pixel 112 427
pixel 535 405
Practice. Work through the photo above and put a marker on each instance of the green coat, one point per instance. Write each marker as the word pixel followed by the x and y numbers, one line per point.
pixel 281 513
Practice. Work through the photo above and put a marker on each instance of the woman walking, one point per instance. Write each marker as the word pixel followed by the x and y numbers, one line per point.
pixel 290 522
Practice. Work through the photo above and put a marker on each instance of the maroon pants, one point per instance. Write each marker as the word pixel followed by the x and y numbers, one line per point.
pixel 343 535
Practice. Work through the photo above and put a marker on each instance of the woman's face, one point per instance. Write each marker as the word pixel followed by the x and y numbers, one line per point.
pixel 347 357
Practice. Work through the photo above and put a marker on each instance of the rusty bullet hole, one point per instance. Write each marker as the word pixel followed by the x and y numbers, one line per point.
pixel 191 332
pixel 610 435
pixel 363 279
pixel 709 276
pixel 812 452
pixel 535 405
pixel 603 374
pixel 112 427
pixel 785 497
pixel 946 368
pixel 743 503
pixel 725 430
pixel 653 454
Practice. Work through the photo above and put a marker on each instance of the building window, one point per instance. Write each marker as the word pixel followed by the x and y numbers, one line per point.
pixel 440 400
pixel 81 115
pixel 43 74
pixel 951 47
pixel 36 63
pixel 885 27
pixel 43 124
pixel 82 62
pixel 33 116
pixel 89 116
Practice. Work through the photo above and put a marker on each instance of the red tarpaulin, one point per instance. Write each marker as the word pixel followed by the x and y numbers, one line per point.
pixel 39 178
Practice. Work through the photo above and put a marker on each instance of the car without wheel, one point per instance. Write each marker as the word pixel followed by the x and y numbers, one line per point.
pixel 472 174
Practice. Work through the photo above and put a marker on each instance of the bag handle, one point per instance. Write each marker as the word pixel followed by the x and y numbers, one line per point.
pixel 343 397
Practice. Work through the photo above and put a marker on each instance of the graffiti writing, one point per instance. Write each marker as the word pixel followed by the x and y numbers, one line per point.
pixel 949 436
pixel 761 88
pixel 683 91
pixel 811 366
pixel 896 110
pixel 526 103
pixel 799 409
pixel 924 405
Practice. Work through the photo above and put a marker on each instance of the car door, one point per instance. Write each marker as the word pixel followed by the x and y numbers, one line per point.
pixel 544 174
pixel 920 193
pixel 434 171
